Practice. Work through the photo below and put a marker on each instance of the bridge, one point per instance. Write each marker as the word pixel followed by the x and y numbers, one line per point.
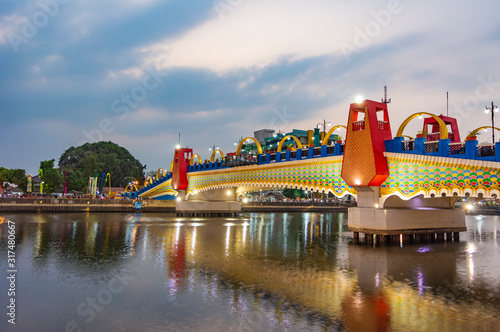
pixel 403 185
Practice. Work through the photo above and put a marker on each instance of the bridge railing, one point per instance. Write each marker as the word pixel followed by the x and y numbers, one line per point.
pixel 444 148
pixel 272 157
pixel 135 194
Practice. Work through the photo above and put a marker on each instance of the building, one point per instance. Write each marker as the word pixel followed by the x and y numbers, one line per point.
pixel 269 140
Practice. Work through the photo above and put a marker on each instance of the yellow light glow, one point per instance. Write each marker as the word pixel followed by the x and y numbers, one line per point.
pixel 359 99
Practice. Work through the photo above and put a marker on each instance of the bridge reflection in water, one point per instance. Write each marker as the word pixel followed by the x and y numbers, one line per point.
pixel 258 272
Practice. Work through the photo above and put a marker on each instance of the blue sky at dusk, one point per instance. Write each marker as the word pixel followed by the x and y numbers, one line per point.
pixel 138 72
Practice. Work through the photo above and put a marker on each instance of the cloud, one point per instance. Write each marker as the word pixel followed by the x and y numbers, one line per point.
pixel 233 72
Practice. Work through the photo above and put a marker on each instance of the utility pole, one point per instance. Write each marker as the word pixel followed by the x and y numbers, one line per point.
pixel 385 100
pixel 493 109
pixel 324 124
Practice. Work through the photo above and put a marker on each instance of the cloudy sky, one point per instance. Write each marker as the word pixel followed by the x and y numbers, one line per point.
pixel 139 72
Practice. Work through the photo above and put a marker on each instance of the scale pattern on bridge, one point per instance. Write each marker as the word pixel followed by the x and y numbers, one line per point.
pixel 412 175
pixel 319 174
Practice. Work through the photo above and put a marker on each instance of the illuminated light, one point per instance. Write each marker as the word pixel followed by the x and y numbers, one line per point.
pixel 228 192
pixel 178 146
pixel 245 200
pixel 195 192
pixel 424 249
pixel 196 224
pixel 469 207
pixel 178 199
pixel 245 224
pixel 471 248
pixel 487 110
pixel 229 224
pixel 359 99
pixel 485 129
pixel 376 206
pixel 357 182
pixel 420 116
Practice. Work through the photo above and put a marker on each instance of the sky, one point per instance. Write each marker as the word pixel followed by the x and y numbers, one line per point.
pixel 139 72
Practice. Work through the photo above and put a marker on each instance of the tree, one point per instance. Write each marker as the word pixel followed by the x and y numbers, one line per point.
pixel 51 177
pixel 94 159
pixel 294 193
pixel 16 176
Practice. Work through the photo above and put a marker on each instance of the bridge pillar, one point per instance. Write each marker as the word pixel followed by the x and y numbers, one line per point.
pixel 365 168
pixel 420 219
pixel 212 203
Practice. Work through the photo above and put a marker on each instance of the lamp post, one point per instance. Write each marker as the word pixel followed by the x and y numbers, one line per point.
pixel 324 124
pixel 492 109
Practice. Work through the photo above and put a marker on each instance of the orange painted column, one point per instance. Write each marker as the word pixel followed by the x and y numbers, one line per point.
pixel 368 127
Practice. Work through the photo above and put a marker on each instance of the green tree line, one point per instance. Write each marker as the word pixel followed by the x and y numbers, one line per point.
pixel 77 164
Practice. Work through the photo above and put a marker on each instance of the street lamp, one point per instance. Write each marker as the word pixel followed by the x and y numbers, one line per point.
pixel 493 109
pixel 238 141
pixel 324 124
pixel 213 148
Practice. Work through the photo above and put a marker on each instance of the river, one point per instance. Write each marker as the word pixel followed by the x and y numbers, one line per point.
pixel 257 272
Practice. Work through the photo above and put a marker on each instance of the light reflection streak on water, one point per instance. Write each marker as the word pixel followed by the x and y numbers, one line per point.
pixel 244 236
pixel 285 236
pixel 470 249
pixel 228 235
pixel 307 218
pixel 38 239
pixel 259 230
pixel 193 241
pixel 144 244
pixel 133 239
pixel 177 233
pixel 377 280
pixel 420 278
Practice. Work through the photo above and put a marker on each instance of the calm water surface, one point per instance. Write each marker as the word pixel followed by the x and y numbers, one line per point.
pixel 258 272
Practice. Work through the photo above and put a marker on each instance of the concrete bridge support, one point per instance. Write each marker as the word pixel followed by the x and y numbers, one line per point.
pixel 212 203
pixel 415 220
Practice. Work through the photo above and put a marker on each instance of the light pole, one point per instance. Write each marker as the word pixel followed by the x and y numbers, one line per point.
pixel 324 124
pixel 492 109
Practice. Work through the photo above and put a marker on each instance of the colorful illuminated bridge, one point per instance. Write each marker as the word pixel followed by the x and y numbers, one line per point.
pixel 436 164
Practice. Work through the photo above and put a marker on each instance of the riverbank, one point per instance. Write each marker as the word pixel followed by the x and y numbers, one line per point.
pixel 82 205
pixel 168 206
pixel 104 205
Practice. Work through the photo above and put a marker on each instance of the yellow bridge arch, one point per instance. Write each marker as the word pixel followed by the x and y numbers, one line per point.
pixel 214 153
pixel 259 147
pixel 330 132
pixel 475 131
pixel 280 145
pixel 191 161
pixel 442 126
